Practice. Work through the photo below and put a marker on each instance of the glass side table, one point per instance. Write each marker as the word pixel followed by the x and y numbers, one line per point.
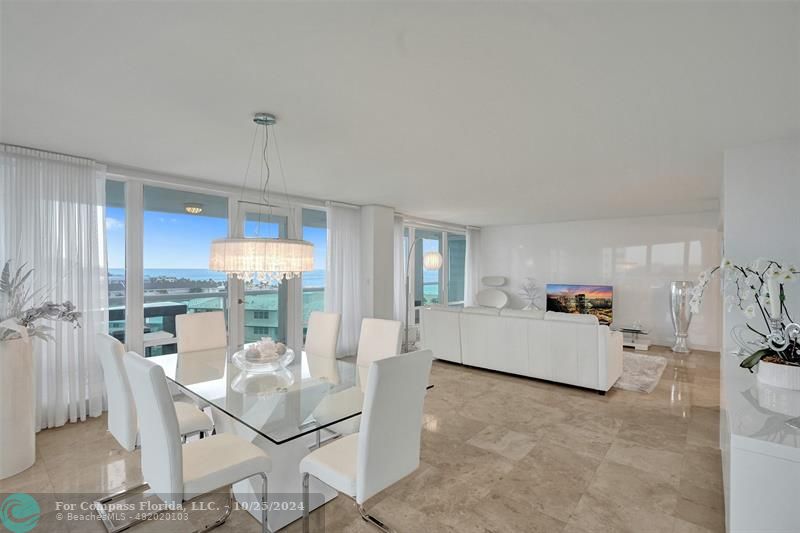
pixel 630 337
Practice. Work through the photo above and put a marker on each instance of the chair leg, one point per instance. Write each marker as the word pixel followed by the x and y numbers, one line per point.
pixel 105 517
pixel 305 503
pixel 222 519
pixel 372 520
pixel 264 504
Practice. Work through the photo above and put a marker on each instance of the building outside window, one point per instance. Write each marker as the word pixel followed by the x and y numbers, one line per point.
pixel 264 304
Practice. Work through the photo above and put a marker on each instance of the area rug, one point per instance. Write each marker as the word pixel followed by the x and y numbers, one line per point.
pixel 640 373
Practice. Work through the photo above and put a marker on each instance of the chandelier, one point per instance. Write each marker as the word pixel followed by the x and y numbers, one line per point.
pixel 262 259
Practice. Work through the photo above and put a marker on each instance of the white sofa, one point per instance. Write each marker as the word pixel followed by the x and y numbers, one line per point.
pixel 573 349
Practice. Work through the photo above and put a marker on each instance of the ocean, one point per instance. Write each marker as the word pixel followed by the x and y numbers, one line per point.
pixel 313 279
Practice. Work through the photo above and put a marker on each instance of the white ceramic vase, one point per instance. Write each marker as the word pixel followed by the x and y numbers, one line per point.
pixel 784 376
pixel 17 404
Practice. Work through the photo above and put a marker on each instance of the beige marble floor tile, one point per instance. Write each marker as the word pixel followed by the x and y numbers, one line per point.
pixel 598 513
pixel 700 515
pixel 682 526
pixel 666 464
pixel 623 498
pixel 577 439
pixel 550 480
pixel 702 466
pixel 507 443
pixel 655 432
pixel 452 425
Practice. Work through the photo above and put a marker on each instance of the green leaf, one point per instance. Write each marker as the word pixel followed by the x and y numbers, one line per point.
pixel 752 360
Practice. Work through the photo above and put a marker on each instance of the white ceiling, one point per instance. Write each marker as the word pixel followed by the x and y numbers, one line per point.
pixel 478 113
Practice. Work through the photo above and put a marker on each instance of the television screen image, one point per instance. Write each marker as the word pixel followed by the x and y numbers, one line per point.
pixel 594 300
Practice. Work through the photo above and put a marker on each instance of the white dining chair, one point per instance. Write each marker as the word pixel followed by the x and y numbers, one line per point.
pixel 387 448
pixel 178 473
pixel 121 416
pixel 201 331
pixel 379 338
pixel 122 423
pixel 323 334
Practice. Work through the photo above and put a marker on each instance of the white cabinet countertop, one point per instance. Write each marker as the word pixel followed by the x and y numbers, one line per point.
pixel 757 413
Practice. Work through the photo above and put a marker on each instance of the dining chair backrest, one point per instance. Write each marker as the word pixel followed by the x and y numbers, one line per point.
pixel 121 409
pixel 323 334
pixel 162 454
pixel 379 338
pixel 201 331
pixel 391 422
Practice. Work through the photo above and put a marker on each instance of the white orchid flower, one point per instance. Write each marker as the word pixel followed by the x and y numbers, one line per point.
pixel 759 263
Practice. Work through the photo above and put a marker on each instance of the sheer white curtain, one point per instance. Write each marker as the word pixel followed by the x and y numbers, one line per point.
pixel 343 276
pixel 472 268
pixel 399 271
pixel 53 220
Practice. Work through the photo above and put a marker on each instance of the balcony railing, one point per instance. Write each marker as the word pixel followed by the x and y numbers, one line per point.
pixel 160 311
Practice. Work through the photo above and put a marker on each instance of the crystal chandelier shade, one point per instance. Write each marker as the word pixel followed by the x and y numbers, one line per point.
pixel 264 260
pixel 260 259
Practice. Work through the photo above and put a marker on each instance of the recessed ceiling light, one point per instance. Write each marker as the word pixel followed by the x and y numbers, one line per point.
pixel 192 208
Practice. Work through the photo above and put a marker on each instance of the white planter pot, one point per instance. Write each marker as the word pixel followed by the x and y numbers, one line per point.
pixel 785 376
pixel 17 404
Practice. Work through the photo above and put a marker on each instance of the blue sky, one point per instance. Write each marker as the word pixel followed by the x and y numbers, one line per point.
pixel 173 240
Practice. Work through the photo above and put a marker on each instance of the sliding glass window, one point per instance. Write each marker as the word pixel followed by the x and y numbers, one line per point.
pixel 427 283
pixel 177 232
pixel 115 255
pixel 456 262
pixel 315 231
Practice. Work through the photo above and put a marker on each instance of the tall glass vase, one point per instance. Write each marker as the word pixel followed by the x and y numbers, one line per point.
pixel 680 293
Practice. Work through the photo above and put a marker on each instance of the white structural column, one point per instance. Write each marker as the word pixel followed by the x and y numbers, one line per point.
pixel 377 261
pixel 760 453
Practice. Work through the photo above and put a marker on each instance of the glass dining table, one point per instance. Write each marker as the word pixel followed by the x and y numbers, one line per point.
pixel 310 394
pixel 283 412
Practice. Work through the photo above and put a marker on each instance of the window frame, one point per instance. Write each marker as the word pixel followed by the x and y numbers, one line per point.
pixel 444 274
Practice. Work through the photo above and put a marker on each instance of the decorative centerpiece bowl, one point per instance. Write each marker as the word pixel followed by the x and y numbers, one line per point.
pixel 263 357
pixel 266 383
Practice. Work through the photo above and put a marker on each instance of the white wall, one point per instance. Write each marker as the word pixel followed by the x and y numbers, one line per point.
pixel 760 205
pixel 638 256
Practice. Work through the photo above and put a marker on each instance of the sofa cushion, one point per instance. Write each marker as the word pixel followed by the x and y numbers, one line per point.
pixel 523 313
pixel 482 311
pixel 444 308
pixel 571 317
pixel 492 298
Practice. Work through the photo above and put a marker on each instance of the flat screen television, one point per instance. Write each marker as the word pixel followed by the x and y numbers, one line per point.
pixel 597 300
